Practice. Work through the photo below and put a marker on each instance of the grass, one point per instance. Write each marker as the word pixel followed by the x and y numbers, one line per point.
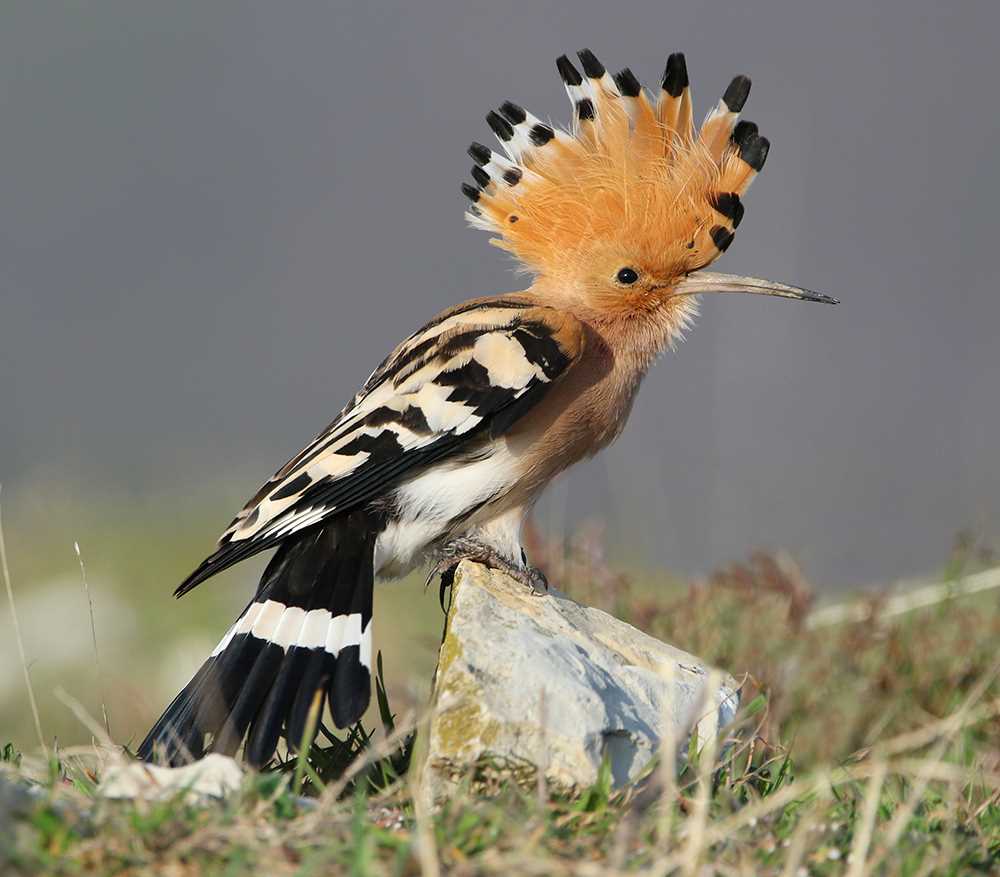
pixel 863 747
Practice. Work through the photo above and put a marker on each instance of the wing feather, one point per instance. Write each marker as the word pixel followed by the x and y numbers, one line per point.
pixel 467 376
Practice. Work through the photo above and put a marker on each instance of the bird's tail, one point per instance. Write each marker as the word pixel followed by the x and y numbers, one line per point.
pixel 307 632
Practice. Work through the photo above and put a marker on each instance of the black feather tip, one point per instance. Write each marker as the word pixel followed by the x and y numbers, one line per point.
pixel 541 134
pixel 755 153
pixel 722 237
pixel 591 66
pixel 627 83
pixel 737 93
pixel 499 125
pixel 675 76
pixel 512 112
pixel 743 134
pixel 512 176
pixel 569 74
pixel 480 176
pixel 729 205
pixel 752 147
pixel 480 154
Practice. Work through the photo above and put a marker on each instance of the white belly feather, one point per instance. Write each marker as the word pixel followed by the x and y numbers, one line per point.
pixel 430 504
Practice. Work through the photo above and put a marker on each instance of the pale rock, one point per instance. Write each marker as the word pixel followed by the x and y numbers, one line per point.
pixel 527 681
pixel 213 776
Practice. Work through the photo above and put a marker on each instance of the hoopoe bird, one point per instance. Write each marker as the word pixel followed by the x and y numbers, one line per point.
pixel 453 437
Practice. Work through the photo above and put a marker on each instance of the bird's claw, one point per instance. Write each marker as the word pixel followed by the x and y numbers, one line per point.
pixel 468 549
pixel 532 578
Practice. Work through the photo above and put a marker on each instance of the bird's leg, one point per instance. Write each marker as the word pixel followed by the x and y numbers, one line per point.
pixel 466 548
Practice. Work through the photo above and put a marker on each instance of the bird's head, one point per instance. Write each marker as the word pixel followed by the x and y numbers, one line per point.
pixel 625 211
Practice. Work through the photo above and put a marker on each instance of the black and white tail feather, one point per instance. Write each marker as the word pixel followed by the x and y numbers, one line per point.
pixel 307 633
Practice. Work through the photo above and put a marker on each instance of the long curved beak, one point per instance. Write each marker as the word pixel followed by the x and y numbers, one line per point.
pixel 698 282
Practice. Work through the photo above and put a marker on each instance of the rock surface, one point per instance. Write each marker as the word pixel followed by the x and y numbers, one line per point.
pixel 542 682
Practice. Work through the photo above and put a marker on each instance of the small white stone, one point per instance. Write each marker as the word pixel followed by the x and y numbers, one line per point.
pixel 214 776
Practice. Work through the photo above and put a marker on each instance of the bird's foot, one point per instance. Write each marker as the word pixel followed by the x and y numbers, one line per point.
pixel 465 548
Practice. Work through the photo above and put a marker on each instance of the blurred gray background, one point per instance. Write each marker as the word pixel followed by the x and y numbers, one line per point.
pixel 216 218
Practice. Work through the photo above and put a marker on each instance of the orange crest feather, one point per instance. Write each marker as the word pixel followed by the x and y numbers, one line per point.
pixel 630 174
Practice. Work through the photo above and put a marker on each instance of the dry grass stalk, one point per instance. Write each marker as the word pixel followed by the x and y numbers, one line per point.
pixel 698 821
pixel 19 639
pixel 668 763
pixel 863 837
pixel 959 720
pixel 86 719
pixel 797 845
pixel 93 634
pixel 821 781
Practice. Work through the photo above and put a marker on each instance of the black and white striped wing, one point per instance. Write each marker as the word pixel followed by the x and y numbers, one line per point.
pixel 470 373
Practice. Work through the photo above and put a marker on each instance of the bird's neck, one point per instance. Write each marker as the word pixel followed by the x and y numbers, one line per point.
pixel 636 330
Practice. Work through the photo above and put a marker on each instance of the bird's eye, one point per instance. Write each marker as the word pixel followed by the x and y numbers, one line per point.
pixel 627 276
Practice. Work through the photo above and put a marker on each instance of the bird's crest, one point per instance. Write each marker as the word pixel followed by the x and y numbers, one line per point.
pixel 631 171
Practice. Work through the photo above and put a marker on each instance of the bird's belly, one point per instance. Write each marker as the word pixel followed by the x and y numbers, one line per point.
pixel 439 503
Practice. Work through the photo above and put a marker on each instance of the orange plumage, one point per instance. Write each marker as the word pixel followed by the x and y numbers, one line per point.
pixel 628 185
